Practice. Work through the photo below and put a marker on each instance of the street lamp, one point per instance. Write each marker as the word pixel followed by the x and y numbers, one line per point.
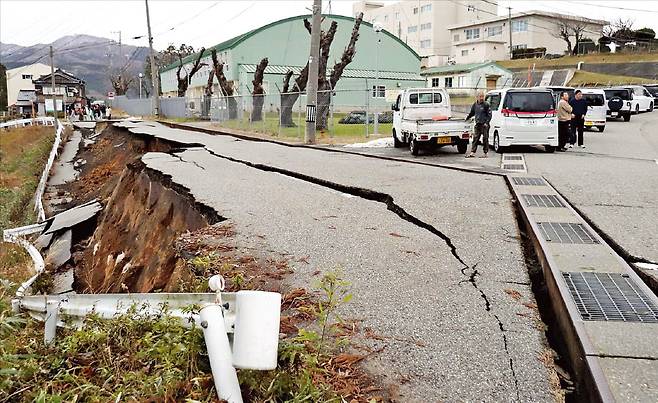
pixel 140 85
pixel 378 28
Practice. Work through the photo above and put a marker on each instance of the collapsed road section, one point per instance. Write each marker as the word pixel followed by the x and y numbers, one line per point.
pixel 440 285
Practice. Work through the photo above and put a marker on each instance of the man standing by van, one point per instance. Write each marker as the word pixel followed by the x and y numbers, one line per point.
pixel 564 116
pixel 579 106
pixel 482 113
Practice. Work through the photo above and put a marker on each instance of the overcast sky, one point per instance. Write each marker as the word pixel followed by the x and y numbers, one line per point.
pixel 206 23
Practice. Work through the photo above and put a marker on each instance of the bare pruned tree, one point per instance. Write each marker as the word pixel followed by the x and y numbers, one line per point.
pixel 569 29
pixel 258 92
pixel 619 28
pixel 184 81
pixel 121 82
pixel 225 85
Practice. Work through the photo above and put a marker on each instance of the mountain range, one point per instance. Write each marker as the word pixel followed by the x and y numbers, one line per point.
pixel 88 57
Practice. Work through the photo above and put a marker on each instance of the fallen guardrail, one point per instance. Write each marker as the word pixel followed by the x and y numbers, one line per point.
pixel 42 121
pixel 41 187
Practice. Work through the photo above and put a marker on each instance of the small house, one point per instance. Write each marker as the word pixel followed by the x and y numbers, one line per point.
pixel 467 79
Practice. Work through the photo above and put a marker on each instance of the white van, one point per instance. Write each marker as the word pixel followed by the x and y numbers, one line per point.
pixel 642 100
pixel 596 108
pixel 522 116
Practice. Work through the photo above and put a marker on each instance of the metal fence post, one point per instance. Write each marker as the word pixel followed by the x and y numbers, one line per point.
pixel 367 110
pixel 331 113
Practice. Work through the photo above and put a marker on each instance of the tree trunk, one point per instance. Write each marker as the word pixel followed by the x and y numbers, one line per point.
pixel 205 111
pixel 258 94
pixel 323 106
pixel 225 85
pixel 184 82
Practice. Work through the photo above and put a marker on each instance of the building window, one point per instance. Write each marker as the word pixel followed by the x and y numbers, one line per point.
pixel 425 44
pixel 472 33
pixel 425 8
pixel 520 26
pixel 495 30
pixel 522 46
pixel 455 38
pixel 412 29
pixel 435 82
pixel 464 52
pixel 448 82
pixel 379 91
pixel 425 27
pixel 27 76
pixel 461 81
pixel 415 10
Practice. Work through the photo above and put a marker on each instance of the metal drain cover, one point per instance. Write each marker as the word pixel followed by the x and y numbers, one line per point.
pixel 566 232
pixel 523 181
pixel 542 201
pixel 610 297
pixel 514 167
pixel 513 158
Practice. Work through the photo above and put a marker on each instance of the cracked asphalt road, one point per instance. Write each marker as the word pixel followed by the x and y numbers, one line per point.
pixel 450 323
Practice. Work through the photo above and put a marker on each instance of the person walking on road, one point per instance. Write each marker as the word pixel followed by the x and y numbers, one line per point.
pixel 564 116
pixel 482 113
pixel 579 106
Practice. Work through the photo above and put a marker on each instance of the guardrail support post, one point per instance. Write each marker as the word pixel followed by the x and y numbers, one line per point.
pixel 219 353
pixel 50 331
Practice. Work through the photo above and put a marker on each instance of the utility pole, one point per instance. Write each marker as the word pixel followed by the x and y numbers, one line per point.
pixel 120 49
pixel 52 83
pixel 154 68
pixel 509 23
pixel 313 66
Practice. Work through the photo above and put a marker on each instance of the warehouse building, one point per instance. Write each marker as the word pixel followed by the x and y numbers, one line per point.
pixel 383 64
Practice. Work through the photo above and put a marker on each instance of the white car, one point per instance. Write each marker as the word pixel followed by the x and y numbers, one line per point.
pixel 596 108
pixel 618 103
pixel 522 116
pixel 642 99
pixel 422 119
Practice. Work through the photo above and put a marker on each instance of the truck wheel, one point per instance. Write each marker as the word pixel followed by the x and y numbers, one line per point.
pixel 627 117
pixel 601 128
pixel 637 109
pixel 414 146
pixel 396 143
pixel 496 145
pixel 462 147
pixel 549 149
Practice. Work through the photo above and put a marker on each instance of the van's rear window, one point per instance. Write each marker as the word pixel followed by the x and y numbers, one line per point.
pixel 621 93
pixel 594 99
pixel 425 98
pixel 529 101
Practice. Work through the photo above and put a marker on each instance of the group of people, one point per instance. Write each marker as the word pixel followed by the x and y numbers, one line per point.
pixel 78 112
pixel 571 120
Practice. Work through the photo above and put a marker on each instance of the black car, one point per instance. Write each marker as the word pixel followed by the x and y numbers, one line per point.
pixel 653 89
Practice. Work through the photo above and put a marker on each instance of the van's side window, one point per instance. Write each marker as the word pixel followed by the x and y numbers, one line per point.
pixel 494 101
pixel 413 99
pixel 438 98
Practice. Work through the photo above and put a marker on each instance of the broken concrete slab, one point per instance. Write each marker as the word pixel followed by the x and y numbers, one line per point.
pixel 43 241
pixel 74 216
pixel 84 125
pixel 64 170
pixel 59 251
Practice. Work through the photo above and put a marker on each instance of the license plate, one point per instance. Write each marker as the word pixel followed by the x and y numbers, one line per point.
pixel 444 140
pixel 530 122
pixel 589 123
pixel 613 113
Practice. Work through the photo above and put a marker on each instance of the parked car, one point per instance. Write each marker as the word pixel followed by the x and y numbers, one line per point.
pixel 642 99
pixel 522 116
pixel 653 90
pixel 618 103
pixel 354 117
pixel 422 119
pixel 596 108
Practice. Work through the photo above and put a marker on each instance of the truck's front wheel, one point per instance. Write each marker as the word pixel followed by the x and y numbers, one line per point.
pixel 414 147
pixel 462 147
pixel 496 145
pixel 396 143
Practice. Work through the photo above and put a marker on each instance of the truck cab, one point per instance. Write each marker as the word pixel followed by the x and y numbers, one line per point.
pixel 422 119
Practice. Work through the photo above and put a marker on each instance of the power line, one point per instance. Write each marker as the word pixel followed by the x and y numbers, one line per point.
pixel 616 7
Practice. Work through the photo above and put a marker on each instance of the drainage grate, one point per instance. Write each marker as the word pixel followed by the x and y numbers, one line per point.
pixel 566 232
pixel 520 180
pixel 542 201
pixel 513 158
pixel 514 167
pixel 610 297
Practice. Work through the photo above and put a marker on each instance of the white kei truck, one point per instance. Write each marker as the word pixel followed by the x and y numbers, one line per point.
pixel 422 119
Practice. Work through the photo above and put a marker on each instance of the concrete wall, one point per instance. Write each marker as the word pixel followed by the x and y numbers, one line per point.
pixel 479 52
pixel 15 81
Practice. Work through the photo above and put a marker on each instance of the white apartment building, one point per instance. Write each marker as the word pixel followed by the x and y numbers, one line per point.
pixel 20 78
pixel 423 24
pixel 474 42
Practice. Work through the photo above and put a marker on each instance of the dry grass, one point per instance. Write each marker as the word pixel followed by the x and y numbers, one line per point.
pixel 572 61
pixel 586 78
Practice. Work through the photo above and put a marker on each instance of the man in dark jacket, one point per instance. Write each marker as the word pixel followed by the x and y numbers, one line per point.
pixel 482 113
pixel 579 105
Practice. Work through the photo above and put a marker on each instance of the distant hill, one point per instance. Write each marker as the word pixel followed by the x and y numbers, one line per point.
pixel 85 56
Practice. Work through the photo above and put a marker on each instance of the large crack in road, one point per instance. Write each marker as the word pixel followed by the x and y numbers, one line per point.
pixel 467 270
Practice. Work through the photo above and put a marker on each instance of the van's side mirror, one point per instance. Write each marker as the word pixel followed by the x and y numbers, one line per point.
pixel 394 107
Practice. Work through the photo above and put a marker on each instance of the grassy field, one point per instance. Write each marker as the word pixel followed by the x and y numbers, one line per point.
pixel 337 133
pixel 586 78
pixel 572 61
